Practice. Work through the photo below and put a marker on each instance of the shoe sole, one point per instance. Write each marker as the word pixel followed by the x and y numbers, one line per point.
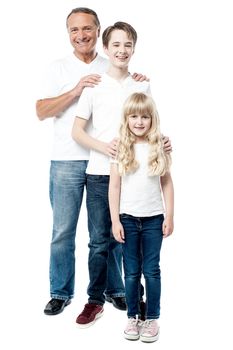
pixel 131 336
pixel 59 311
pixel 86 325
pixel 149 339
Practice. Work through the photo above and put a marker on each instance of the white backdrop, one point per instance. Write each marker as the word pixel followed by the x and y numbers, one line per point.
pixel 185 47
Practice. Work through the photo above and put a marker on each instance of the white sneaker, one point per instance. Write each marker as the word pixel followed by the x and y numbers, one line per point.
pixel 131 331
pixel 150 331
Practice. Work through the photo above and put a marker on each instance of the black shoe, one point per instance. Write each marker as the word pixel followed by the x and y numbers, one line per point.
pixel 56 306
pixel 118 302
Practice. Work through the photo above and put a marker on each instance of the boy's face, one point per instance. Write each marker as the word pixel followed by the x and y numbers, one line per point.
pixel 120 48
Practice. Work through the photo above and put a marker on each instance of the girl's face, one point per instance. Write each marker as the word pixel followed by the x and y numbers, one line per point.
pixel 139 125
pixel 120 49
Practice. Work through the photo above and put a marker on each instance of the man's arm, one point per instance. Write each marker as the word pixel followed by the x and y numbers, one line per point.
pixel 140 77
pixel 51 107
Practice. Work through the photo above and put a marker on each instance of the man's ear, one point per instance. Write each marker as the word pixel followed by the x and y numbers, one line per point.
pixel 99 32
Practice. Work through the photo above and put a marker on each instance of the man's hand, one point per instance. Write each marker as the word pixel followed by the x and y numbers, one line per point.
pixel 167 144
pixel 140 77
pixel 87 81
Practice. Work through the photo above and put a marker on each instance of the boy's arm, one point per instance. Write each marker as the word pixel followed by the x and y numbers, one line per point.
pixel 80 135
pixel 114 203
pixel 168 196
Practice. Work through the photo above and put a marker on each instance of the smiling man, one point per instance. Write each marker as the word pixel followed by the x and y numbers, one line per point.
pixel 66 80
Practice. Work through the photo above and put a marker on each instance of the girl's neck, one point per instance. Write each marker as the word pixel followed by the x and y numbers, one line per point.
pixel 141 141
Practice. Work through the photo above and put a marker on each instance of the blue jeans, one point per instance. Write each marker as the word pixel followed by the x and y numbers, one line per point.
pixel 141 254
pixel 67 182
pixel 105 254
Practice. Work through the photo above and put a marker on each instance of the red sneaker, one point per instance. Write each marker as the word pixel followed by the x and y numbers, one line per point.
pixel 89 315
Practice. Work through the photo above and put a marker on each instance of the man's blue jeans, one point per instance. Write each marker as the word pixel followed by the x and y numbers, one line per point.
pixel 67 182
pixel 105 254
pixel 141 254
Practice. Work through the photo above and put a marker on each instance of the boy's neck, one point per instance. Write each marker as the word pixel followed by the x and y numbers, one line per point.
pixel 118 74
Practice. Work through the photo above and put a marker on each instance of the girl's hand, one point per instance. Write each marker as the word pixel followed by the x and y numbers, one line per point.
pixel 168 227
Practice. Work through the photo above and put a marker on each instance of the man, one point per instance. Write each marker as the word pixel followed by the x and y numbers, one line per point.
pixel 67 78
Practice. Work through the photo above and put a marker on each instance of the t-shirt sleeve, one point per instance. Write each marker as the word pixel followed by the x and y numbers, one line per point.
pixel 149 90
pixel 85 105
pixel 113 160
pixel 49 85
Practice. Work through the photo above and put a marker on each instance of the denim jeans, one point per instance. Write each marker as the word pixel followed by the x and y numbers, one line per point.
pixel 141 254
pixel 67 182
pixel 105 254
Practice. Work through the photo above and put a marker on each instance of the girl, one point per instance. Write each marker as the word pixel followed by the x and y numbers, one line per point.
pixel 141 168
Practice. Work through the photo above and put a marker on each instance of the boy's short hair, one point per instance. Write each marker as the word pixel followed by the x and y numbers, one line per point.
pixel 132 34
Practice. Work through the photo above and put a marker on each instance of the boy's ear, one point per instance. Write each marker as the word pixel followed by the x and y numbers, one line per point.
pixel 105 50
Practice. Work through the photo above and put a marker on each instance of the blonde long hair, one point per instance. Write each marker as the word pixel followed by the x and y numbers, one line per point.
pixel 158 161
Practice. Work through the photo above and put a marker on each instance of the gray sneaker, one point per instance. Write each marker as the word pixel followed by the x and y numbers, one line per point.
pixel 131 331
pixel 150 331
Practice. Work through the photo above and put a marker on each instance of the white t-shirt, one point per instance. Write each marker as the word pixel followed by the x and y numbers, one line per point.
pixel 104 103
pixel 62 76
pixel 141 194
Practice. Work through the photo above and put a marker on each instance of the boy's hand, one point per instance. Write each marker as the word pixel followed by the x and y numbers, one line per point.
pixel 118 232
pixel 167 146
pixel 111 148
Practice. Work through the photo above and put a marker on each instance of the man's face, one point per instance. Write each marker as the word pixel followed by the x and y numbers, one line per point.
pixel 83 33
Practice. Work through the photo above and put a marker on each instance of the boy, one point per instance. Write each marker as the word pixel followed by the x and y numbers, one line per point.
pixel 104 104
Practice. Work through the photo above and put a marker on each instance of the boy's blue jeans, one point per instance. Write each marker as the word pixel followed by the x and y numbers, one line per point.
pixel 67 182
pixel 141 254
pixel 105 254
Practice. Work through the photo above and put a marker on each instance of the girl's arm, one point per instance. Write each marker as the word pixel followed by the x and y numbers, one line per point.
pixel 80 135
pixel 168 196
pixel 114 203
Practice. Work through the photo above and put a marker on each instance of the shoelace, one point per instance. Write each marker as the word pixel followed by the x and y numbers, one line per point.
pixel 148 324
pixel 132 322
pixel 88 309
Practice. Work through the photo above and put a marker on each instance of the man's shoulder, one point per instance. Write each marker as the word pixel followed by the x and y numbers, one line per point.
pixel 60 62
